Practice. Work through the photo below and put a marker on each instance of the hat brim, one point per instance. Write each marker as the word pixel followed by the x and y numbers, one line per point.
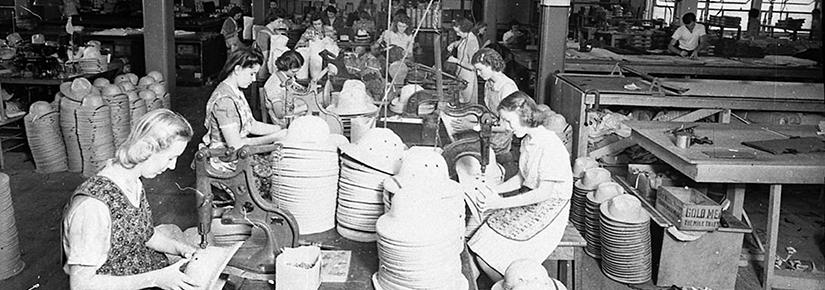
pixel 498 286
pixel 366 110
pixel 375 162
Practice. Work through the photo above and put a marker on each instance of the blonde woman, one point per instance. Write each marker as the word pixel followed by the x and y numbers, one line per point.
pixel 107 231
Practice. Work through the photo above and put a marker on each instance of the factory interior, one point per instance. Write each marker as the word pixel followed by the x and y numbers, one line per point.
pixel 412 144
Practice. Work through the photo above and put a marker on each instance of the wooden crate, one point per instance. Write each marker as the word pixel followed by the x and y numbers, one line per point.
pixel 688 208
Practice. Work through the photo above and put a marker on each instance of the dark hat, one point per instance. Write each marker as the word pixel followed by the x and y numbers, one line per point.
pixel 362 38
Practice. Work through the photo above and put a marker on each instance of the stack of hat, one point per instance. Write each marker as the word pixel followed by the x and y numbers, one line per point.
pixel 10 262
pixel 364 166
pixel 119 107
pixel 100 83
pixel 625 231
pixel 581 188
pixel 397 104
pixel 305 178
pixel 127 77
pixel 412 252
pixel 159 87
pixel 577 201
pixel 45 140
pixel 93 61
pixel 73 92
pixel 94 131
pixel 592 235
pixel 353 101
pixel 137 106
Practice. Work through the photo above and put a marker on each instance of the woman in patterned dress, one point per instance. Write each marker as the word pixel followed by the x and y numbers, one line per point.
pixel 108 235
pixel 530 223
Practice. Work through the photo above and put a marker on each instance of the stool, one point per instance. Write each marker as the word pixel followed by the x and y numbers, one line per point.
pixel 565 260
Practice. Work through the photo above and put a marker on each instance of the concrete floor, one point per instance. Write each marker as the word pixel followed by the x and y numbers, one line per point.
pixel 39 200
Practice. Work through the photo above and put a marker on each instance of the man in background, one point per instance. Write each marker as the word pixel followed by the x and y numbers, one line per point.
pixel 689 38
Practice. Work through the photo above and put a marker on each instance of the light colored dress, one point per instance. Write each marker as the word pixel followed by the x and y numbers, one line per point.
pixel 467 47
pixel 532 231
pixel 399 39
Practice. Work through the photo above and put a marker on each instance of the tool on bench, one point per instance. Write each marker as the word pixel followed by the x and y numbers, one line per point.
pixel 277 227
pixel 477 146
pixel 685 136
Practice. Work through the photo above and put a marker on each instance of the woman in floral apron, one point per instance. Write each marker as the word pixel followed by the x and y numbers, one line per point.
pixel 108 235
pixel 229 121
pixel 530 223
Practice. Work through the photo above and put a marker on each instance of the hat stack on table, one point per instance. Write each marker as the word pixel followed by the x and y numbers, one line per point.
pixel 590 183
pixel 94 131
pixel 305 176
pixel 364 166
pixel 579 194
pixel 44 138
pixel 592 235
pixel 10 262
pixel 412 252
pixel 625 231
pixel 119 107
pixel 73 92
pixel 137 106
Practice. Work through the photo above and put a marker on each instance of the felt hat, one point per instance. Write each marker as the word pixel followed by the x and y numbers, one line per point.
pixel 121 78
pixel 111 90
pixel 126 86
pixel 398 104
pixel 379 148
pixel 311 130
pixel 91 52
pixel 100 82
pixel 353 100
pixel 592 178
pixel 361 38
pixel 133 78
pixel 425 169
pixel 76 89
pixel 555 122
pixel 583 163
pixel 38 39
pixel 145 81
pixel 7 53
pixel 605 191
pixel 159 89
pixel 147 95
pixel 527 274
pixel 40 107
pixel 156 75
pixel 624 208
pixel 93 101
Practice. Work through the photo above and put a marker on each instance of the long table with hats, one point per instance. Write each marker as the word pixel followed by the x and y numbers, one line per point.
pixel 728 161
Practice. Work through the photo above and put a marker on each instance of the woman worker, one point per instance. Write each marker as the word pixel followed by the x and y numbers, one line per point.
pixel 465 48
pixel 313 32
pixel 231 29
pixel 529 224
pixel 287 65
pixel 399 34
pixel 107 231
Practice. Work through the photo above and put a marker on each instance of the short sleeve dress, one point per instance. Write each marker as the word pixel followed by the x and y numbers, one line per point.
pixel 532 231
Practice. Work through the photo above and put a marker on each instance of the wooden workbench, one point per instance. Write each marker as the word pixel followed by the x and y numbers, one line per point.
pixel 697 163
pixel 573 94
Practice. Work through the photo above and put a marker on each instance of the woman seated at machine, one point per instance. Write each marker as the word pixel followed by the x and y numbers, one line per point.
pixel 282 83
pixel 108 235
pixel 531 222
pixel 229 121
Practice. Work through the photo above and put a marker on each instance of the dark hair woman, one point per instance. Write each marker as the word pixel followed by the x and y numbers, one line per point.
pixel 529 224
pixel 399 34
pixel 465 48
pixel 276 87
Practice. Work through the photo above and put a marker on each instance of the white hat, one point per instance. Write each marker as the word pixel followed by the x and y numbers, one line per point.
pixel 624 208
pixel 379 148
pixel 353 100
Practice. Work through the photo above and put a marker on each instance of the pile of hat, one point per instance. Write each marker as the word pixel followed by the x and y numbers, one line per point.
pixel 152 89
pixel 412 252
pixel 118 103
pixel 592 234
pixel 94 132
pixel 92 61
pixel 353 101
pixel 579 194
pixel 305 176
pixel 364 166
pixel 10 262
pixel 625 240
pixel 44 138
pixel 71 95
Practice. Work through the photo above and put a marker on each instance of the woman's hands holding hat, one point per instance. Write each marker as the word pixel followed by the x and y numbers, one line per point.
pixel 171 277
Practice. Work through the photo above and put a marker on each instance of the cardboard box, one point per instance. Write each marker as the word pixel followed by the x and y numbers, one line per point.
pixel 688 208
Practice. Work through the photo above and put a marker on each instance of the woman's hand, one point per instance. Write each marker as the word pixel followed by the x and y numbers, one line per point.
pixel 452 45
pixel 486 197
pixel 172 278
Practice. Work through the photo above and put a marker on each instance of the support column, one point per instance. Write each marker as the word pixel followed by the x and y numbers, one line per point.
pixel 491 18
pixel 754 18
pixel 259 11
pixel 159 39
pixel 552 44
pixel 686 6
